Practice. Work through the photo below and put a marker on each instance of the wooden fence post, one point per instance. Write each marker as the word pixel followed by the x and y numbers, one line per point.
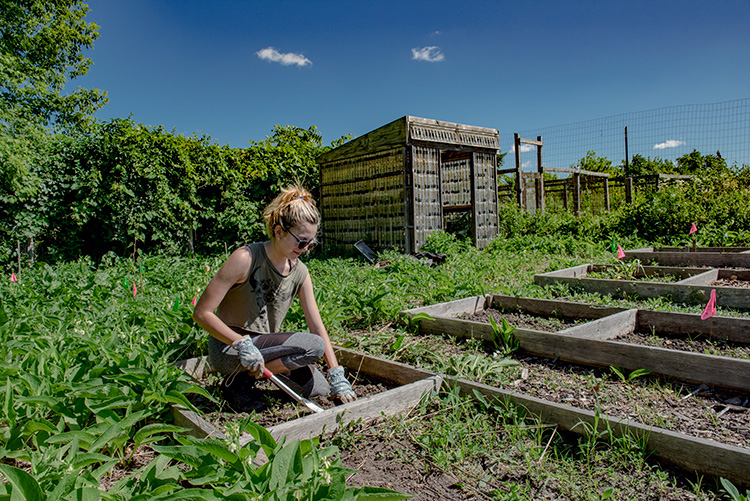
pixel 577 193
pixel 629 190
pixel 606 194
pixel 519 174
pixel 540 205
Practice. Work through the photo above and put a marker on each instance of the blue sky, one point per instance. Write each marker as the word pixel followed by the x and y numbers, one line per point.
pixel 233 69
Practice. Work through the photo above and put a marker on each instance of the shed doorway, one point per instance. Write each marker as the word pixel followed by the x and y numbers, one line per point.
pixel 456 189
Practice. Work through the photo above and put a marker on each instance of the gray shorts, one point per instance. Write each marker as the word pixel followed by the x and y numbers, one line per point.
pixel 296 350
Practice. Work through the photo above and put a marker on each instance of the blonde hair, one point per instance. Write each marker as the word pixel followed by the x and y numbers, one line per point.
pixel 292 206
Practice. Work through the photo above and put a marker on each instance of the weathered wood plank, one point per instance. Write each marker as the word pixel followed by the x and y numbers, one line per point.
pixel 390 403
pixel 450 308
pixel 576 171
pixel 736 330
pixel 732 297
pixel 550 307
pixel 734 274
pixel 588 344
pixel 386 137
pixel 685 257
pixel 693 454
pixel 608 327
pixel 725 372
pixel 705 278
pixel 387 370
pixel 198 426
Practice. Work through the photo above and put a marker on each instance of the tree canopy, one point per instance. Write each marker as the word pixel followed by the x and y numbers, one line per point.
pixel 41 48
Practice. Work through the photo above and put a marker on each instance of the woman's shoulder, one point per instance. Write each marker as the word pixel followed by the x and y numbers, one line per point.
pixel 299 271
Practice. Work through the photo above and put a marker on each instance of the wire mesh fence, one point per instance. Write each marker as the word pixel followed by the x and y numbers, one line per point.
pixel 665 133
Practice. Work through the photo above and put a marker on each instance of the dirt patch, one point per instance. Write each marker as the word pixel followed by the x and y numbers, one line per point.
pixel 276 407
pixel 522 320
pixel 399 465
pixel 695 410
pixel 139 458
pixel 731 282
pixel 698 344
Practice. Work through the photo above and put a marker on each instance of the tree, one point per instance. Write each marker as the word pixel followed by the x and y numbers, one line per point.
pixel 696 163
pixel 644 166
pixel 594 163
pixel 41 45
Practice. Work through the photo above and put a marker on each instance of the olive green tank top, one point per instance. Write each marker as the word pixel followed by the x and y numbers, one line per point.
pixel 261 302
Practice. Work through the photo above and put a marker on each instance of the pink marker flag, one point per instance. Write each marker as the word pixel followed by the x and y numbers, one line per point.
pixel 194 301
pixel 135 289
pixel 693 228
pixel 620 252
pixel 710 309
pixel 13 277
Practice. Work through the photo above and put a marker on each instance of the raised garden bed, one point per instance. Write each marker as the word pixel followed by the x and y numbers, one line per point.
pixel 717 257
pixel 293 420
pixel 275 406
pixel 694 288
pixel 691 452
pixel 575 345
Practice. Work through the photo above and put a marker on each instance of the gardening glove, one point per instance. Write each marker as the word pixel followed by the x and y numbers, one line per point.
pixel 340 387
pixel 250 357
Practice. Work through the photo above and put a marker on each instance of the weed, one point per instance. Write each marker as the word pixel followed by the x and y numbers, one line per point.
pixel 733 492
pixel 620 372
pixel 503 338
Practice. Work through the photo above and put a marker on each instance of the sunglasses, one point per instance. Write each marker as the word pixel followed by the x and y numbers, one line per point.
pixel 303 244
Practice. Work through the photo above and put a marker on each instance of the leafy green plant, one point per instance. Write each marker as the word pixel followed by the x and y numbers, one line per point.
pixel 477 366
pixel 503 338
pixel 733 492
pixel 620 373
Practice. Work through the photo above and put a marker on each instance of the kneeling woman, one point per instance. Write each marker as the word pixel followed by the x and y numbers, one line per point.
pixel 244 304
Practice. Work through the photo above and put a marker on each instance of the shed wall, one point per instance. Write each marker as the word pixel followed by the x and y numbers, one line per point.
pixel 427 206
pixel 485 198
pixel 363 198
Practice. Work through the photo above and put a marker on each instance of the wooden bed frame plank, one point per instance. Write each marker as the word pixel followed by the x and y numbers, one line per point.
pixel 591 344
pixel 732 297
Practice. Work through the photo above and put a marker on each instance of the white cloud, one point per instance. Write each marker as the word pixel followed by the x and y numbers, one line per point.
pixel 430 54
pixel 669 143
pixel 288 59
pixel 525 148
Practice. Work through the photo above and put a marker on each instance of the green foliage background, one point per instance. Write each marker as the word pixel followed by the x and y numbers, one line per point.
pixel 122 187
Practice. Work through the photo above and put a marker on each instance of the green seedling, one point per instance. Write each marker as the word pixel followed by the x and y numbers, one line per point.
pixel 620 372
pixel 734 492
pixel 502 336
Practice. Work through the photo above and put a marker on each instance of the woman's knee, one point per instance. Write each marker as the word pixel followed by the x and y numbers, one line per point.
pixel 313 344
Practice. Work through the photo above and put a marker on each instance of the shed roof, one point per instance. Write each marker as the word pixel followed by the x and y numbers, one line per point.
pixel 411 130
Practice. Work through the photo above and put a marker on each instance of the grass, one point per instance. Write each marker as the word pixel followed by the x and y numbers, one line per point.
pixel 86 371
pixel 496 451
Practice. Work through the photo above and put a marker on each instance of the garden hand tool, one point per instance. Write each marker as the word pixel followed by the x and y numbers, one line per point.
pixel 291 392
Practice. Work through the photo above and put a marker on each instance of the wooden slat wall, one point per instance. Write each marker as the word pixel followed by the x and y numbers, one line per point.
pixel 362 198
pixel 428 213
pixel 485 198
pixel 456 189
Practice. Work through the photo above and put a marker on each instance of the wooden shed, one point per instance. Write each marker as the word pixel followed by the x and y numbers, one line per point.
pixel 395 185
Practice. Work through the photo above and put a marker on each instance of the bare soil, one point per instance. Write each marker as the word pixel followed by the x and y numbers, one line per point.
pixel 696 345
pixel 695 410
pixel 729 282
pixel 522 320
pixel 385 461
pixel 277 406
